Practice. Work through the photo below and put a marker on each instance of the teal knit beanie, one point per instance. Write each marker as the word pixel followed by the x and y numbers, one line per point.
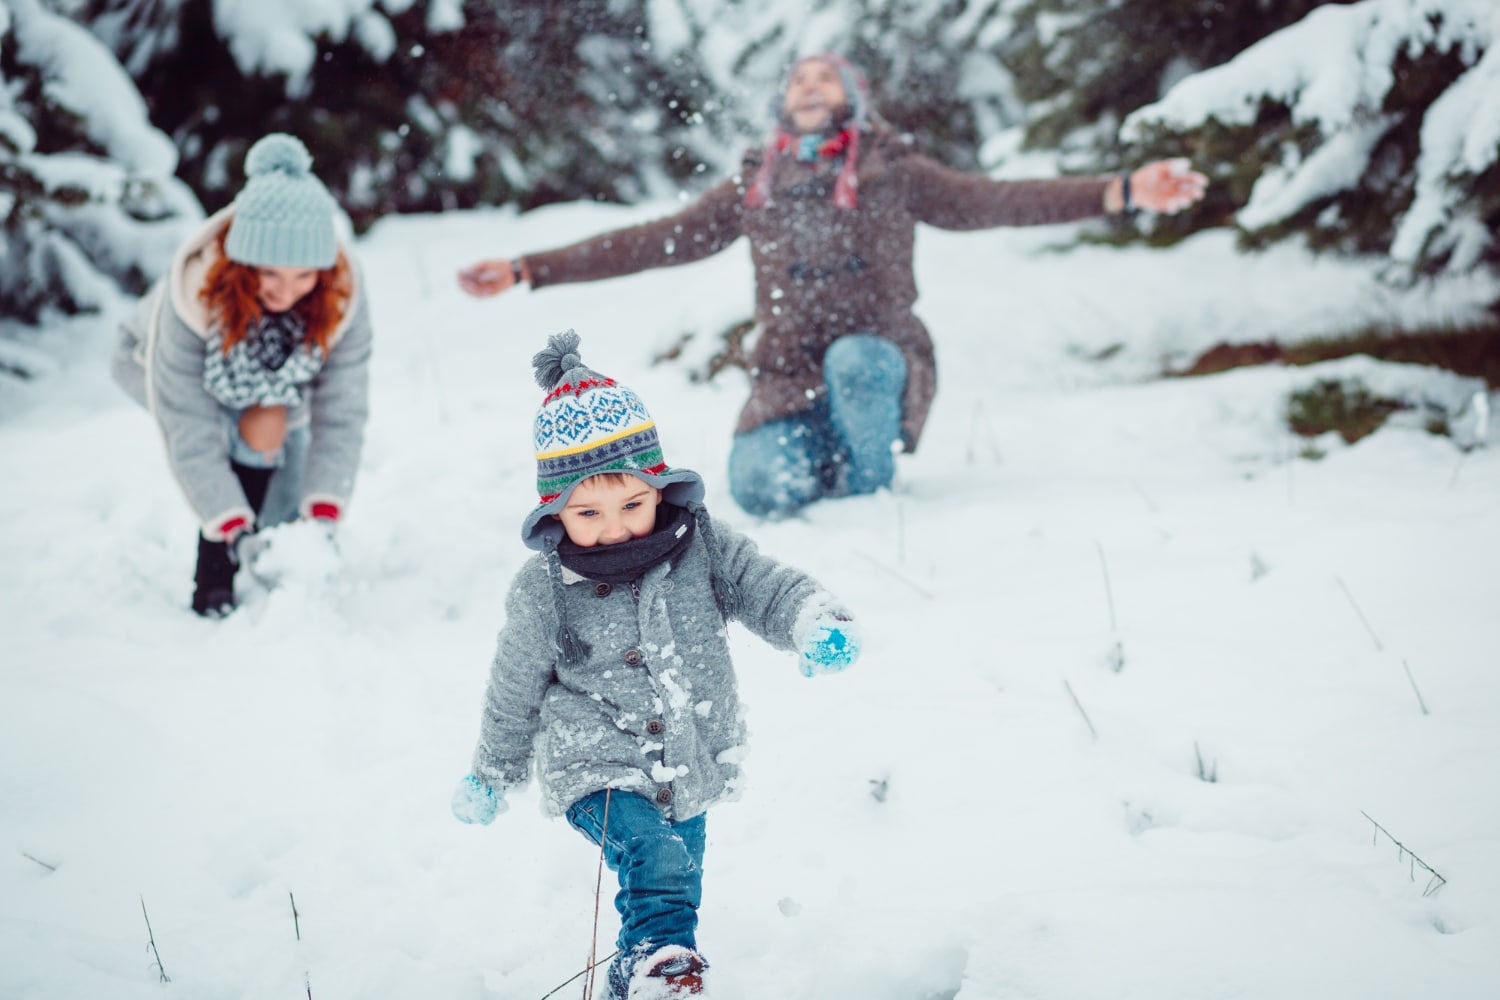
pixel 283 216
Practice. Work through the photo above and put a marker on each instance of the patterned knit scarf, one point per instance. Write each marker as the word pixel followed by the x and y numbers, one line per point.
pixel 810 149
pixel 270 366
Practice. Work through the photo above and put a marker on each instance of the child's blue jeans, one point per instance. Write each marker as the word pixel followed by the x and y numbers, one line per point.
pixel 660 865
pixel 840 446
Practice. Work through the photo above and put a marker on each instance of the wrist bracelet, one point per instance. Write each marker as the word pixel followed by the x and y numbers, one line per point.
pixel 1125 192
pixel 515 271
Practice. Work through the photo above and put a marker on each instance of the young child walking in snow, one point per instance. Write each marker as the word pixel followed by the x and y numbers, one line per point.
pixel 612 670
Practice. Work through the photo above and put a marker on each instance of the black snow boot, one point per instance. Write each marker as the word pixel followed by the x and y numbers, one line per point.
pixel 213 582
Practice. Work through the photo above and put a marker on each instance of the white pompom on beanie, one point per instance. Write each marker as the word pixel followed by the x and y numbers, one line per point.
pixel 283 216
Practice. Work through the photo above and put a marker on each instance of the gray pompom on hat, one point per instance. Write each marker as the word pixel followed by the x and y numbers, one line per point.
pixel 283 216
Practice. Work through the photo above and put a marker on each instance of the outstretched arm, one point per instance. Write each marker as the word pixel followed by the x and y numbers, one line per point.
pixel 703 228
pixel 1167 186
pixel 493 276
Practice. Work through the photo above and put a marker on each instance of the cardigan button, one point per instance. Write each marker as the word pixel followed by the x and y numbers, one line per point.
pixel 656 727
pixel 633 657
pixel 663 796
pixel 602 589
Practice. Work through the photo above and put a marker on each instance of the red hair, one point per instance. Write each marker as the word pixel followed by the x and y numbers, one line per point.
pixel 231 293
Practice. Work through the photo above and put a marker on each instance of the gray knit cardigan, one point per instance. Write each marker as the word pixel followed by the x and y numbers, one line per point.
pixel 159 361
pixel 652 709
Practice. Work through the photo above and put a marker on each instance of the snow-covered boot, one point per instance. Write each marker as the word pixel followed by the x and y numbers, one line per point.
pixel 671 972
pixel 213 581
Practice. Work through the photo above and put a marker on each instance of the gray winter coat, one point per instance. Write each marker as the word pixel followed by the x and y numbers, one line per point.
pixel 159 361
pixel 653 709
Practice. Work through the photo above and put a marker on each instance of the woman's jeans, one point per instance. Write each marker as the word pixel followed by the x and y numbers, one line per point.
pixel 660 865
pixel 841 446
pixel 284 495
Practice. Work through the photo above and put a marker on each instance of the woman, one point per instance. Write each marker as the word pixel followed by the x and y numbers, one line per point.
pixel 842 372
pixel 252 353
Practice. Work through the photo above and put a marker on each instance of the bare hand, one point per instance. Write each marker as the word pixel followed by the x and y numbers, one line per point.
pixel 1167 186
pixel 489 277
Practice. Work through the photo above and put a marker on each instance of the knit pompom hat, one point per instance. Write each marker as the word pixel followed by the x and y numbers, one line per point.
pixel 283 216
pixel 856 92
pixel 589 423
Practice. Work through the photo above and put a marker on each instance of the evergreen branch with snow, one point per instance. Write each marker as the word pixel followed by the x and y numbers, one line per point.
pixel 1370 127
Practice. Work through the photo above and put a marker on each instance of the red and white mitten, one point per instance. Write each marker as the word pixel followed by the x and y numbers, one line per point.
pixel 229 527
pixel 322 508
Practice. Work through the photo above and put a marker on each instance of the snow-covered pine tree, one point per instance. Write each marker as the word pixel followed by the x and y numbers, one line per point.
pixel 1370 128
pixel 88 201
pixel 420 105
pixel 1081 66
pixel 933 65
pixel 412 105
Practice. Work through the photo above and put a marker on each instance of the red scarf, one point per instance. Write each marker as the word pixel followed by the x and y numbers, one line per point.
pixel 845 187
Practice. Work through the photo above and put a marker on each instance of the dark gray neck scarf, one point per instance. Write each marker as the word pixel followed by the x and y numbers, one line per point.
pixel 670 542
pixel 626 562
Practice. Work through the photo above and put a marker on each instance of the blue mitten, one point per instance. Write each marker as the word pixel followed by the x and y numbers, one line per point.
pixel 831 645
pixel 476 802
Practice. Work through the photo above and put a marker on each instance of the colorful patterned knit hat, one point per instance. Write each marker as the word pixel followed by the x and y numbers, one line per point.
pixel 588 424
pixel 283 216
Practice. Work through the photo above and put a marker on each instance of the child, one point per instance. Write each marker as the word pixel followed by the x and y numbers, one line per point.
pixel 613 670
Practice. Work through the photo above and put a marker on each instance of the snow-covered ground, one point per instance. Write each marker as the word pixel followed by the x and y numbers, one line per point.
pixel 983 809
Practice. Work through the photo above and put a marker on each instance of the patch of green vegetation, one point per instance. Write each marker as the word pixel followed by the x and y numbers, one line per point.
pixel 1350 409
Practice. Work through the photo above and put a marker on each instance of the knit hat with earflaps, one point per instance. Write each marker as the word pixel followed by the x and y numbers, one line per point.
pixel 589 423
pixel 283 216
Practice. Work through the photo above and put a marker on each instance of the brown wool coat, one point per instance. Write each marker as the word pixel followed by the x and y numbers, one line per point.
pixel 822 272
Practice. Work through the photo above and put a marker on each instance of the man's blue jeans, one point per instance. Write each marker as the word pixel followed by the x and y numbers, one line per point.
pixel 660 865
pixel 840 446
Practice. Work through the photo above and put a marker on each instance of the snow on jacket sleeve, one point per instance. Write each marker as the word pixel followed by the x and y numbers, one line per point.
pixel 952 199
pixel 775 599
pixel 192 423
pixel 705 227
pixel 339 403
pixel 520 674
